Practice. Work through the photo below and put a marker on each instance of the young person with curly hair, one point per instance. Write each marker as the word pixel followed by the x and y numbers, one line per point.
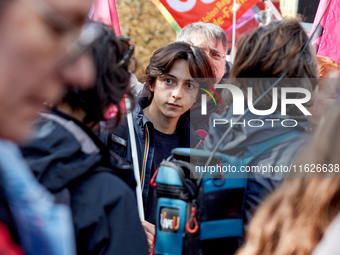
pixel 72 163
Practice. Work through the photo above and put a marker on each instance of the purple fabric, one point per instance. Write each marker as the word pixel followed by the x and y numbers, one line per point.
pixel 248 15
pixel 327 38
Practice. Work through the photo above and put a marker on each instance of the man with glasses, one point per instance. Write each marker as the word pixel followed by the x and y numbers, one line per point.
pixel 38 56
pixel 212 39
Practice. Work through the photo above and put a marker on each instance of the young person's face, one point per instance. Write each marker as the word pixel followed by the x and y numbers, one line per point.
pixel 173 94
pixel 35 35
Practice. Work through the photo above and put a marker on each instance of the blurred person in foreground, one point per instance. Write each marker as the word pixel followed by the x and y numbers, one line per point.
pixel 327 90
pixel 296 216
pixel 72 163
pixel 262 57
pixel 35 37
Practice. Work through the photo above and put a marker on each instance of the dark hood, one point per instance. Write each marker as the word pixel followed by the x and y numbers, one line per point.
pixel 241 136
pixel 57 158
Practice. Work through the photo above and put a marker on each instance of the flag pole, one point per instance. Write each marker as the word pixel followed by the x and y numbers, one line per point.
pixel 233 49
pixel 274 10
pixel 114 17
pixel 135 160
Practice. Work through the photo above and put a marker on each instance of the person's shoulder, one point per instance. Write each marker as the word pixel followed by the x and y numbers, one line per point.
pixel 49 136
pixel 282 154
pixel 115 139
pixel 104 181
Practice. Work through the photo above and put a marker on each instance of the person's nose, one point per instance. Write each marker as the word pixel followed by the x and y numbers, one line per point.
pixel 177 92
pixel 80 73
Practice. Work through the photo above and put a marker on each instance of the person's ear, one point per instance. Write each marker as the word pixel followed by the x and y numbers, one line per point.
pixel 152 87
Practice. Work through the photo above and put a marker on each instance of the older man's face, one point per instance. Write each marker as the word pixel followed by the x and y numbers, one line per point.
pixel 216 53
pixel 35 35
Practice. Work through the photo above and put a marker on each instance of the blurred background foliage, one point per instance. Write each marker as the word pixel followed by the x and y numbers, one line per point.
pixel 144 24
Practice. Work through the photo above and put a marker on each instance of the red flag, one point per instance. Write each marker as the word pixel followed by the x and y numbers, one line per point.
pixel 106 12
pixel 218 12
pixel 327 38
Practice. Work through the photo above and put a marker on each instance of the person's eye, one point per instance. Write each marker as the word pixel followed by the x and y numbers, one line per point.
pixel 215 54
pixel 57 26
pixel 168 81
pixel 190 86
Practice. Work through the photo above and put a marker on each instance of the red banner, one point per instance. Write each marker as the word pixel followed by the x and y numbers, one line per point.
pixel 218 12
pixel 327 38
pixel 106 12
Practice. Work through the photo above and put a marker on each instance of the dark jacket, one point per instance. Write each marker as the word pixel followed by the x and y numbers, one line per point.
pixel 119 142
pixel 72 163
pixel 259 185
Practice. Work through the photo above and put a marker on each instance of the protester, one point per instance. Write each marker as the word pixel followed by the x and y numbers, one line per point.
pixel 72 163
pixel 327 92
pixel 34 67
pixel 158 121
pixel 268 52
pixel 294 219
pixel 212 39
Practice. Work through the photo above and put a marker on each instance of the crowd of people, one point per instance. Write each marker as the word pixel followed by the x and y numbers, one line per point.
pixel 67 184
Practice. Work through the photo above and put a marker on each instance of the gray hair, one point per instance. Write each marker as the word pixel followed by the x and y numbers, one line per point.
pixel 201 31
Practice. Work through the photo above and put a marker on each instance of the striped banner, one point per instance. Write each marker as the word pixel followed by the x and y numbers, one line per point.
pixel 166 15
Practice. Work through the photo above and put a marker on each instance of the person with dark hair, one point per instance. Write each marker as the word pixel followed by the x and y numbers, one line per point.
pixel 262 57
pixel 39 58
pixel 73 164
pixel 159 121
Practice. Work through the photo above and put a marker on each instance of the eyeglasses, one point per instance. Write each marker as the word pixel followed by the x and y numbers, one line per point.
pixel 89 33
pixel 56 20
pixel 217 56
pixel 214 54
pixel 78 43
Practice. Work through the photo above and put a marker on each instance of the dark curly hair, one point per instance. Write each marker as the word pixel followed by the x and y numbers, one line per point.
pixel 112 80
pixel 163 59
pixel 269 52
